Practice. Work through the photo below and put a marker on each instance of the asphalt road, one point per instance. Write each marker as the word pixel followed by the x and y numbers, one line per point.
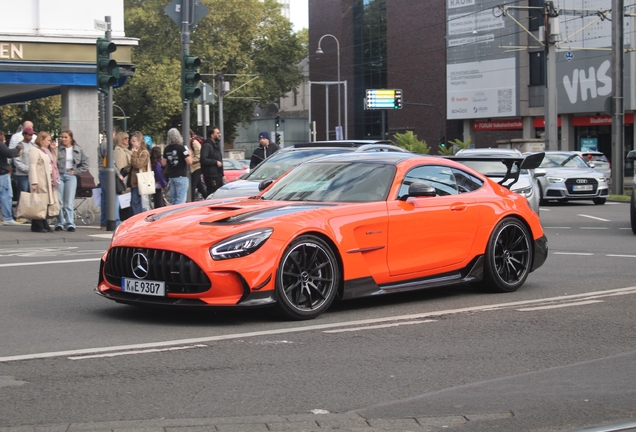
pixel 558 354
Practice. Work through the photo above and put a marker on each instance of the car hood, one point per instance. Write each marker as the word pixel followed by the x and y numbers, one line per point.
pixel 573 172
pixel 237 188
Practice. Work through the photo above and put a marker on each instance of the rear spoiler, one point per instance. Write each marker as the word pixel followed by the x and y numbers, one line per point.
pixel 514 164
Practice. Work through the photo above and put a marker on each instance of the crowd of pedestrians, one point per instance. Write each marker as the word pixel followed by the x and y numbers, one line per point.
pixel 34 163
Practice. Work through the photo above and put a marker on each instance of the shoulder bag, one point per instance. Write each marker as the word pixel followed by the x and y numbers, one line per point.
pixel 32 205
pixel 146 181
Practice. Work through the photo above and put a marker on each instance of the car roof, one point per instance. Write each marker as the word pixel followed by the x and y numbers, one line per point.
pixel 338 143
pixel 487 152
pixel 387 158
pixel 590 152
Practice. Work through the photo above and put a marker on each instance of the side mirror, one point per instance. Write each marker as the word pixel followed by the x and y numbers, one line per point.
pixel 539 172
pixel 264 184
pixel 631 155
pixel 420 189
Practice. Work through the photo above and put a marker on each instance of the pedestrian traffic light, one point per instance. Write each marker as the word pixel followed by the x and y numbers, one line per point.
pixel 191 77
pixel 107 69
pixel 277 138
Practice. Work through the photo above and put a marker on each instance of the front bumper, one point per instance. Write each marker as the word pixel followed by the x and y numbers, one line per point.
pixel 540 252
pixel 565 191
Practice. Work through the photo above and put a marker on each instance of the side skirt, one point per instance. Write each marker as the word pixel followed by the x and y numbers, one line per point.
pixel 365 287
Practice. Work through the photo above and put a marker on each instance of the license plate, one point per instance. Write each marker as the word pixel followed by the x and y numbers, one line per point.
pixel 152 288
pixel 583 187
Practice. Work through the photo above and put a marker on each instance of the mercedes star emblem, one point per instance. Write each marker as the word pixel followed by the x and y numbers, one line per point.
pixel 140 265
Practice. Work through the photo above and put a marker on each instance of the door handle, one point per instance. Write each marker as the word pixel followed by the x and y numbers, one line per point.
pixel 458 207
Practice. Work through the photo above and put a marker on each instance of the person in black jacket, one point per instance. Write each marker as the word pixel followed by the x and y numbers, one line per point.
pixel 264 150
pixel 212 160
pixel 6 191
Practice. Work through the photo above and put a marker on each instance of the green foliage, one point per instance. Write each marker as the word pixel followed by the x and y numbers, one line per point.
pixel 45 114
pixel 409 141
pixel 244 39
pixel 453 147
pixel 460 145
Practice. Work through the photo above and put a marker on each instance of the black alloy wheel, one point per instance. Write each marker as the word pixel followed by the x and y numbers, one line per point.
pixel 599 201
pixel 632 211
pixel 508 257
pixel 307 279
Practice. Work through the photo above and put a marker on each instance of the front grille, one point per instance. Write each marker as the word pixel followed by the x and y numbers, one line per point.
pixel 554 193
pixel 180 273
pixel 570 183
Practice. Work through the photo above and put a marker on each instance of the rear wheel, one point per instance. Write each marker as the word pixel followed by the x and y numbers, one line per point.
pixel 632 211
pixel 599 201
pixel 508 257
pixel 307 278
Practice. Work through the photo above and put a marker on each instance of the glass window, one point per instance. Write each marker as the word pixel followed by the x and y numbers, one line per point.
pixel 441 178
pixel 537 68
pixel 566 160
pixel 466 182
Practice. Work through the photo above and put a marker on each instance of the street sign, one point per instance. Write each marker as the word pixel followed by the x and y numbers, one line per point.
pixel 384 99
pixel 569 56
pixel 197 11
pixel 101 25
pixel 207 94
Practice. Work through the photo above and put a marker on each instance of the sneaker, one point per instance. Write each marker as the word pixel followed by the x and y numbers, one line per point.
pixel 11 222
pixel 59 228
pixel 23 221
pixel 102 228
pixel 71 229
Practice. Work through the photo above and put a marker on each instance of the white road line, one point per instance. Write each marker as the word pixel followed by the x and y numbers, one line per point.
pixel 559 305
pixel 104 236
pixel 49 262
pixel 572 253
pixel 594 217
pixel 622 256
pixel 136 352
pixel 594 228
pixel 397 318
pixel 624 228
pixel 545 209
pixel 379 326
pixel 557 227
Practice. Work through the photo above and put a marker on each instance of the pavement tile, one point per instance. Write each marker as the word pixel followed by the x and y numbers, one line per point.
pixel 51 428
pixel 489 416
pixel 342 421
pixel 208 428
pixel 242 427
pixel 408 424
pixel 446 421
pixel 148 429
pixel 301 426
pixel 17 429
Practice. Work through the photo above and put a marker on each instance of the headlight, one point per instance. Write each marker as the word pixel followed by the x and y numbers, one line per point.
pixel 601 179
pixel 555 179
pixel 526 192
pixel 240 245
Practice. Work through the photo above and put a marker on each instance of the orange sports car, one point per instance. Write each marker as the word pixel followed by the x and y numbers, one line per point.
pixel 339 227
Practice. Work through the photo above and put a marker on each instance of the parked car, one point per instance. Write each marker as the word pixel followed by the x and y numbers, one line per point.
pixel 285 159
pixel 598 161
pixel 632 207
pixel 342 226
pixel 490 162
pixel 233 169
pixel 566 176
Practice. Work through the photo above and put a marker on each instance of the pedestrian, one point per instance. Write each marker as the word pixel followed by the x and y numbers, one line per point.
pixel 123 156
pixel 21 163
pixel 44 176
pixel 212 161
pixel 103 153
pixel 139 162
pixel 160 181
pixel 264 150
pixel 6 191
pixel 71 162
pixel 195 176
pixel 177 158
pixel 17 137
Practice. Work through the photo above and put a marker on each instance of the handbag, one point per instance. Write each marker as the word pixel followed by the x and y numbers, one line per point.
pixel 120 186
pixel 32 206
pixel 53 210
pixel 146 181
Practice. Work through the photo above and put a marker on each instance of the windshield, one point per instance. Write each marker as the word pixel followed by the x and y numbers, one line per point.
pixel 280 163
pixel 563 161
pixel 334 182
pixel 490 168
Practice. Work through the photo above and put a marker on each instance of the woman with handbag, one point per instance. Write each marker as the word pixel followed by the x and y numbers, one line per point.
pixel 122 166
pixel 71 162
pixel 44 177
pixel 139 163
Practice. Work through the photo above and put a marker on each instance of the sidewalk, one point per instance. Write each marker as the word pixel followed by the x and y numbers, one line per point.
pixel 12 235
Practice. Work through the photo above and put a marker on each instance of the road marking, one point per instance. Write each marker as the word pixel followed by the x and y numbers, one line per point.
pixel 572 253
pixel 49 262
pixel 559 305
pixel 557 227
pixel 624 228
pixel 379 326
pixel 594 228
pixel 594 217
pixel 136 352
pixel 303 328
pixel 104 236
pixel 545 209
pixel 621 256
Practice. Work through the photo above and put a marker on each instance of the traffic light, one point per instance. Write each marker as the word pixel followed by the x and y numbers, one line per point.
pixel 277 138
pixel 442 142
pixel 107 69
pixel 277 121
pixel 191 77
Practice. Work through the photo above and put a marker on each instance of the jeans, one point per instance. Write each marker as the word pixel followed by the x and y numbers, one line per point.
pixel 23 183
pixel 102 216
pixel 178 189
pixel 197 185
pixel 6 197
pixel 66 193
pixel 135 201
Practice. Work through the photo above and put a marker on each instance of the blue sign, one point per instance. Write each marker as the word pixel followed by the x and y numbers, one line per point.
pixel 589 144
pixel 148 140
pixel 569 56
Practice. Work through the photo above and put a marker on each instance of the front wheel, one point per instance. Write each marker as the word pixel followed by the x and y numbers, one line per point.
pixel 599 201
pixel 307 278
pixel 632 211
pixel 508 257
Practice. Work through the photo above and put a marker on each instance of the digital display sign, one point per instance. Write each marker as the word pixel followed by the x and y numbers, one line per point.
pixel 384 99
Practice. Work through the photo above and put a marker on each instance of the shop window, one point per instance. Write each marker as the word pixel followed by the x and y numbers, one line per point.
pixel 537 68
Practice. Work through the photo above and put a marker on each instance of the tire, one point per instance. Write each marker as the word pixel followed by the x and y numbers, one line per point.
pixel 86 216
pixel 508 257
pixel 307 278
pixel 632 211
pixel 599 201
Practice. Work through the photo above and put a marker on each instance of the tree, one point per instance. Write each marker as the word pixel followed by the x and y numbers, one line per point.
pixel 45 113
pixel 243 39
pixel 409 141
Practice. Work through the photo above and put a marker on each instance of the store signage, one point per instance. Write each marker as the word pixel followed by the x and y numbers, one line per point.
pixel 498 125
pixel 11 51
pixel 539 122
pixel 602 120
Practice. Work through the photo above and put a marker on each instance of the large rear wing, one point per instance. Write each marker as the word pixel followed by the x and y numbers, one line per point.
pixel 513 164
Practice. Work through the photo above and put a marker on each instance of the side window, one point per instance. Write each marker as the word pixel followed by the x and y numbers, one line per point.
pixel 440 177
pixel 466 182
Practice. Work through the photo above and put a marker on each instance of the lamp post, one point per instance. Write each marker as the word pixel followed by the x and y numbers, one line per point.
pixel 319 51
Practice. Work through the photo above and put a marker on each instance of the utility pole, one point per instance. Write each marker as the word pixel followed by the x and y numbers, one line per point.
pixel 618 119
pixel 221 89
pixel 185 48
pixel 111 196
pixel 551 29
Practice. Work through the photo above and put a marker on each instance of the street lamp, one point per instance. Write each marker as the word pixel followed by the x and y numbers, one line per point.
pixel 319 51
